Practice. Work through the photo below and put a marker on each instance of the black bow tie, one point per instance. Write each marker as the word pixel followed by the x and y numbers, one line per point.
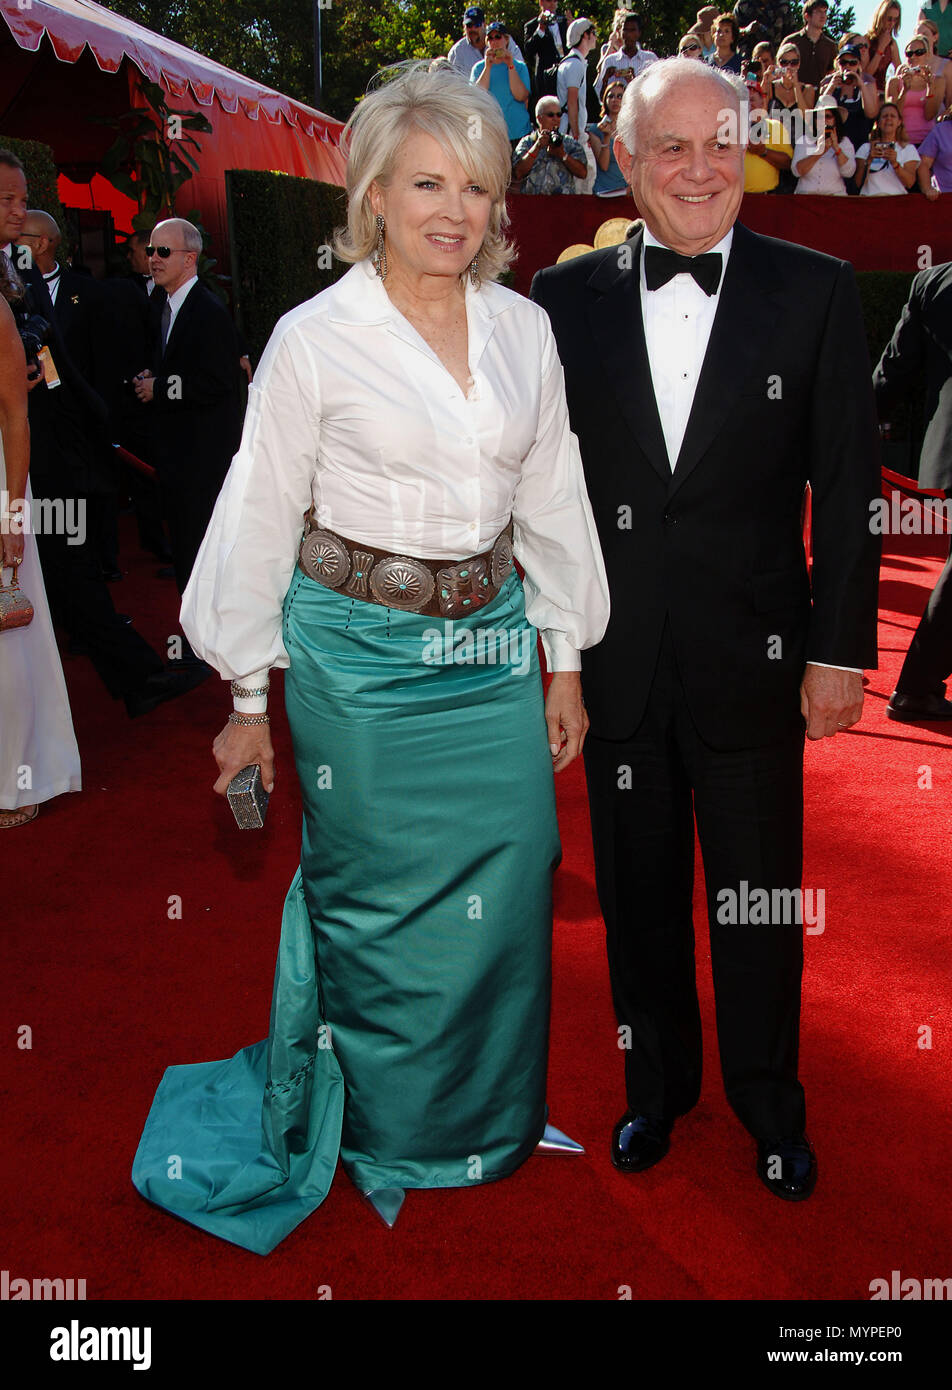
pixel 661 265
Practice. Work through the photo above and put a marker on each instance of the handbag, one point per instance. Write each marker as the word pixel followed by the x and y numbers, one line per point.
pixel 16 610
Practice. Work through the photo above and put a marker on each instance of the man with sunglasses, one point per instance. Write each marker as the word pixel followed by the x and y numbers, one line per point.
pixel 471 48
pixel 191 392
pixel 67 422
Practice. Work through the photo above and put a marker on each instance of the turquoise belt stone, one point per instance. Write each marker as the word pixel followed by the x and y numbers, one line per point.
pixel 432 588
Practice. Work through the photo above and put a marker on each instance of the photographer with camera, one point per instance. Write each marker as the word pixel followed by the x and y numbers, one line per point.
pixel 888 163
pixel 916 91
pixel 857 96
pixel 823 161
pixel 505 78
pixel 546 160
pixel 544 48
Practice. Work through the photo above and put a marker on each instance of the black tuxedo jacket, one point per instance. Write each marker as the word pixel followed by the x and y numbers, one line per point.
pixel 716 547
pixel 539 50
pixel 195 413
pixel 921 351
pixel 68 422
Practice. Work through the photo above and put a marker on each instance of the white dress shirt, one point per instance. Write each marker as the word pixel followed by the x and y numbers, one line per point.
pixel 351 410
pixel 827 174
pixel 177 299
pixel 52 278
pixel 678 318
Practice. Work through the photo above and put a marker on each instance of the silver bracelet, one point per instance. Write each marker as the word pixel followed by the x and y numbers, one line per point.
pixel 246 721
pixel 242 692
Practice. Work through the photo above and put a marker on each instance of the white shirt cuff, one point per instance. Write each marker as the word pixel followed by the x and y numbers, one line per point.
pixel 252 704
pixel 830 667
pixel 560 655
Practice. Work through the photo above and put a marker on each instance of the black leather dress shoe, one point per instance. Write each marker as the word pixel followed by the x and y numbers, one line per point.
pixel 639 1141
pixel 787 1167
pixel 164 685
pixel 916 709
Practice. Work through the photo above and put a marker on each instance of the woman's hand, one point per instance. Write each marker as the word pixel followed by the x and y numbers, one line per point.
pixel 239 746
pixel 12 547
pixel 565 718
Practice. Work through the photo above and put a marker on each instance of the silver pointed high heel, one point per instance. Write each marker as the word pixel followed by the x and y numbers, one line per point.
pixel 553 1141
pixel 386 1202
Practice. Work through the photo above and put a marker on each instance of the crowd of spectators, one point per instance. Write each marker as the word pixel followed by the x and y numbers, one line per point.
pixel 855 116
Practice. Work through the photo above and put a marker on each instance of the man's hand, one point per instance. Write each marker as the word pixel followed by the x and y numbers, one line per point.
pixel 245 364
pixel 565 718
pixel 35 373
pixel 830 700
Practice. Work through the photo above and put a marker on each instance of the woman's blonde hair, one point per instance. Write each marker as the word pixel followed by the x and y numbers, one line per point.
pixel 879 18
pixel 466 120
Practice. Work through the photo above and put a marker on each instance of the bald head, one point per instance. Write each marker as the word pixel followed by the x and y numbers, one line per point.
pixel 183 241
pixel 43 236
pixel 656 82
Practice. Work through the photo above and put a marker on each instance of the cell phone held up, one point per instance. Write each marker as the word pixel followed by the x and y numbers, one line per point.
pixel 248 798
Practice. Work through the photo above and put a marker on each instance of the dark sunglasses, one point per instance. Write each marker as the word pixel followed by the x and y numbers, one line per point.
pixel 691 48
pixel 789 62
pixel 915 52
pixel 164 251
pixel 848 63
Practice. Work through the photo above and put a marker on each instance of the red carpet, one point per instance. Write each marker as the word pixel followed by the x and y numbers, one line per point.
pixel 114 989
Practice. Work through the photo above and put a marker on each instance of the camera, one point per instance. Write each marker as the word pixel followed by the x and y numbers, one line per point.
pixel 33 330
pixel 556 139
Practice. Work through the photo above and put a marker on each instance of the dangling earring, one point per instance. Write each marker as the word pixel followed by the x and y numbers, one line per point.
pixel 474 272
pixel 379 256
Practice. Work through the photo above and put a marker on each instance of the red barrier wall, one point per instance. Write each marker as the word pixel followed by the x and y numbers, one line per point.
pixel 872 233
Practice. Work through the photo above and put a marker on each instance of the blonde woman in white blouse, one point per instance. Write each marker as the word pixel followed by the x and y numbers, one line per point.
pixel 414 414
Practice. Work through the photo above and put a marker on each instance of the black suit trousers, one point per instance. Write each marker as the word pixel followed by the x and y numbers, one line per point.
pixel 645 793
pixel 80 599
pixel 928 661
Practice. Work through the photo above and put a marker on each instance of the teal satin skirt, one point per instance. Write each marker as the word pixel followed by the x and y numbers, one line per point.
pixel 410 1013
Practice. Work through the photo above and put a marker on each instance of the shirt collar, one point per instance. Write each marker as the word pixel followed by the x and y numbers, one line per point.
pixel 177 299
pixel 359 297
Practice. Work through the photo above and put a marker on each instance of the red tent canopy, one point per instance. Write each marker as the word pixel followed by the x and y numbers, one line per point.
pixel 64 60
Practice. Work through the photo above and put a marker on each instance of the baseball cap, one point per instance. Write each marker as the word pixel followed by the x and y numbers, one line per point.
pixel 577 28
pixel 497 27
pixel 474 15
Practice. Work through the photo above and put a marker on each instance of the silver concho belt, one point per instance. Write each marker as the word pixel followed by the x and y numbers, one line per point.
pixel 431 588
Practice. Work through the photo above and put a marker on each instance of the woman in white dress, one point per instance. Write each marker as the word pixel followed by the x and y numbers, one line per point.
pixel 39 758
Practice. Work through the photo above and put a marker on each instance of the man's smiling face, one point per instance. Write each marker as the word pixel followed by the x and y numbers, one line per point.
pixel 687 174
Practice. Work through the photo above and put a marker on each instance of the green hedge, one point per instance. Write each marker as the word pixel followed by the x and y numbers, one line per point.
pixel 280 229
pixel 40 170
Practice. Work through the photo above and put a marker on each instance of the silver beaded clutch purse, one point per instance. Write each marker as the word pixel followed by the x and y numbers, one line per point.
pixel 16 610
pixel 248 798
